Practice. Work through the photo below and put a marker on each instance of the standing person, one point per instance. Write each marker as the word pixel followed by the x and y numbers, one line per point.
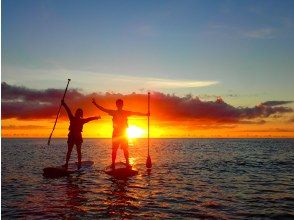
pixel 75 132
pixel 120 125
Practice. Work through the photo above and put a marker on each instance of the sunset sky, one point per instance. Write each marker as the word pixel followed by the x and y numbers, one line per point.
pixel 214 68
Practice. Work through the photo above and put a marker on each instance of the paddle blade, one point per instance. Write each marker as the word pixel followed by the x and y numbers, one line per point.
pixel 148 162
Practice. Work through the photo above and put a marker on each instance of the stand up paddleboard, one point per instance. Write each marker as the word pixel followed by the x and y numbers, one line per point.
pixel 121 171
pixel 59 171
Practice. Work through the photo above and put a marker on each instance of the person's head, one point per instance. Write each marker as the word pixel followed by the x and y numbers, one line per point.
pixel 79 113
pixel 119 104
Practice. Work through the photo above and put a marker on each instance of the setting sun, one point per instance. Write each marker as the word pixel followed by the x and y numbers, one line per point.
pixel 135 132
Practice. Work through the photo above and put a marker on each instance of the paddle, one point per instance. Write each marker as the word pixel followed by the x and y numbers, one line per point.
pixel 58 113
pixel 148 161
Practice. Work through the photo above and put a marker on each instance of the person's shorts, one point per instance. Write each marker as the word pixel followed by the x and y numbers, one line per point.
pixel 74 139
pixel 120 141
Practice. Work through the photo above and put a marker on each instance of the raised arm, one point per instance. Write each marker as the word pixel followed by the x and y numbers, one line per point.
pixel 108 111
pixel 137 113
pixel 70 115
pixel 86 120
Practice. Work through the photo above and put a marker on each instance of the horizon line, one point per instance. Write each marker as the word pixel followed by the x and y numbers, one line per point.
pixel 157 138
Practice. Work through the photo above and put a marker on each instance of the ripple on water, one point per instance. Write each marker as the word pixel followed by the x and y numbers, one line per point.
pixel 191 178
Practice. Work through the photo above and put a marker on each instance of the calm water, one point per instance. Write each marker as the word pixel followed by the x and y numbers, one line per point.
pixel 191 178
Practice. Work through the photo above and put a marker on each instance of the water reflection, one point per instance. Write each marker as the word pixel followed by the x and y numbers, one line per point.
pixel 204 179
pixel 119 202
pixel 74 193
pixel 148 172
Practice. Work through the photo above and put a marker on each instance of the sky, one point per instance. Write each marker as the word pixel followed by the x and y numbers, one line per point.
pixel 221 58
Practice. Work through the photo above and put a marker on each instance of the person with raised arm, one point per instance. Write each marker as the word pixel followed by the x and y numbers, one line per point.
pixel 75 132
pixel 120 125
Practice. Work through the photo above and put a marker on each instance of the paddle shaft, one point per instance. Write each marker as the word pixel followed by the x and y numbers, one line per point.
pixel 148 161
pixel 148 120
pixel 58 112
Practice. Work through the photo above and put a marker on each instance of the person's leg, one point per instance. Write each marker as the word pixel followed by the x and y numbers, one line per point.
pixel 125 148
pixel 79 152
pixel 69 149
pixel 114 151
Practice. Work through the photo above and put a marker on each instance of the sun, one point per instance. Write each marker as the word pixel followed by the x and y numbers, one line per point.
pixel 134 132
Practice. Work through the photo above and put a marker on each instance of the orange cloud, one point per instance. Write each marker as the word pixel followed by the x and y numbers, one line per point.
pixel 25 104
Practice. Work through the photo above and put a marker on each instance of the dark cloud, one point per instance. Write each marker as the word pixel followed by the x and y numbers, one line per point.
pixel 22 93
pixel 21 127
pixel 25 103
pixel 193 107
pixel 268 130
pixel 276 103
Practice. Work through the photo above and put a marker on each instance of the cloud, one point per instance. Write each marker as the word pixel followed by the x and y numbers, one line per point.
pixel 99 81
pixel 276 103
pixel 218 110
pixel 21 127
pixel 291 120
pixel 230 31
pixel 158 83
pixel 258 122
pixel 25 103
pixel 14 93
pixel 162 83
pixel 268 130
pixel 263 33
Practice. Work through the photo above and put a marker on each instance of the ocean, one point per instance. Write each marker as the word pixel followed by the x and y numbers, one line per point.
pixel 190 178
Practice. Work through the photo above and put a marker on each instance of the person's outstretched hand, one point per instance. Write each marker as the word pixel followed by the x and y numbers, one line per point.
pixel 93 101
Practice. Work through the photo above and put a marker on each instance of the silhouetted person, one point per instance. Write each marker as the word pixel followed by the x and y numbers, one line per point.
pixel 120 125
pixel 75 132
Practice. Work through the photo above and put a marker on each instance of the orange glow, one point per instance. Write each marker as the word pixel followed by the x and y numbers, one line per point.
pixel 13 128
pixel 135 132
pixel 159 128
pixel 171 117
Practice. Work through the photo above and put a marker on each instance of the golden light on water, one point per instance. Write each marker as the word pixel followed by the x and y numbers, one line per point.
pixel 132 160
